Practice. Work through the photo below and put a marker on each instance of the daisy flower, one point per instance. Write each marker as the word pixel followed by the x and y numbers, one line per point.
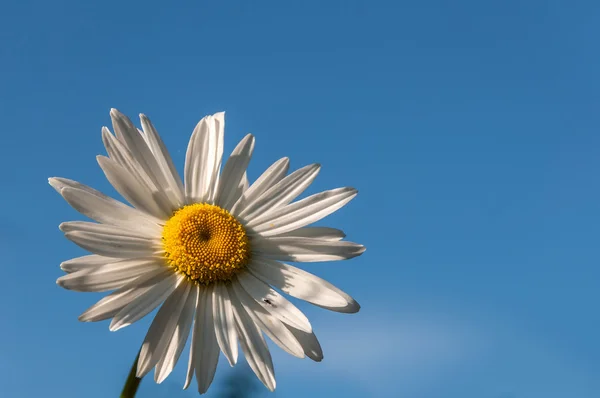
pixel 209 250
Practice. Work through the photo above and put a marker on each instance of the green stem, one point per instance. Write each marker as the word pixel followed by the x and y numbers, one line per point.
pixel 132 383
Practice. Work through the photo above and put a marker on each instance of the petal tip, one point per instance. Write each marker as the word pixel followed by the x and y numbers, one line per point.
pixel 317 357
pixel 304 326
pixel 114 326
pixel 105 131
pixel 160 377
pixel 55 183
pixel 140 372
pixel 203 389
pixel 353 307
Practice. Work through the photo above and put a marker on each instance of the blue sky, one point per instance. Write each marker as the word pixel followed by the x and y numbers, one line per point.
pixel 471 130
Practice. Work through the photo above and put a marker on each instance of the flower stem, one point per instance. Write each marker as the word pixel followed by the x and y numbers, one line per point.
pixel 132 383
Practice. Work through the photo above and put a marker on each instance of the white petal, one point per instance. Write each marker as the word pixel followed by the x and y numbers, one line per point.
pixel 169 177
pixel 131 189
pixel 274 302
pixel 203 160
pixel 192 356
pixel 224 323
pixel 219 120
pixel 88 262
pixel 303 285
pixel 272 327
pixel 117 151
pixel 109 241
pixel 146 302
pixel 305 249
pixel 323 233
pixel 241 188
pixel 309 343
pixel 58 183
pixel 85 226
pixel 142 154
pixel 125 130
pixel 108 213
pixel 207 349
pixel 302 212
pixel 244 183
pixel 233 171
pixel 120 154
pixel 165 366
pixel 281 193
pixel 161 330
pixel 270 177
pixel 109 276
pixel 254 346
pixel 101 208
pixel 112 246
pixel 110 305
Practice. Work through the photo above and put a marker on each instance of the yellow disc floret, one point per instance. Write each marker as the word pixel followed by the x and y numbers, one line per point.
pixel 206 243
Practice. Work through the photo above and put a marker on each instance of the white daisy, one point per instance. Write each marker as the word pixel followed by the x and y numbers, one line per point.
pixel 209 249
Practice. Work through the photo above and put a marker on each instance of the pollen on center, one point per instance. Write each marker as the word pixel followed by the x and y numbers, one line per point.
pixel 206 243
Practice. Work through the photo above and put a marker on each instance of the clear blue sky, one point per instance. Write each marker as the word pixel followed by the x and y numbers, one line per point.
pixel 470 128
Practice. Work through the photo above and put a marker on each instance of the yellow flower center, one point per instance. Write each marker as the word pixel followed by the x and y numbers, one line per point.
pixel 206 243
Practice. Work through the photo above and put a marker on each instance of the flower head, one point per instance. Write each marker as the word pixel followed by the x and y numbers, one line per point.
pixel 207 250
